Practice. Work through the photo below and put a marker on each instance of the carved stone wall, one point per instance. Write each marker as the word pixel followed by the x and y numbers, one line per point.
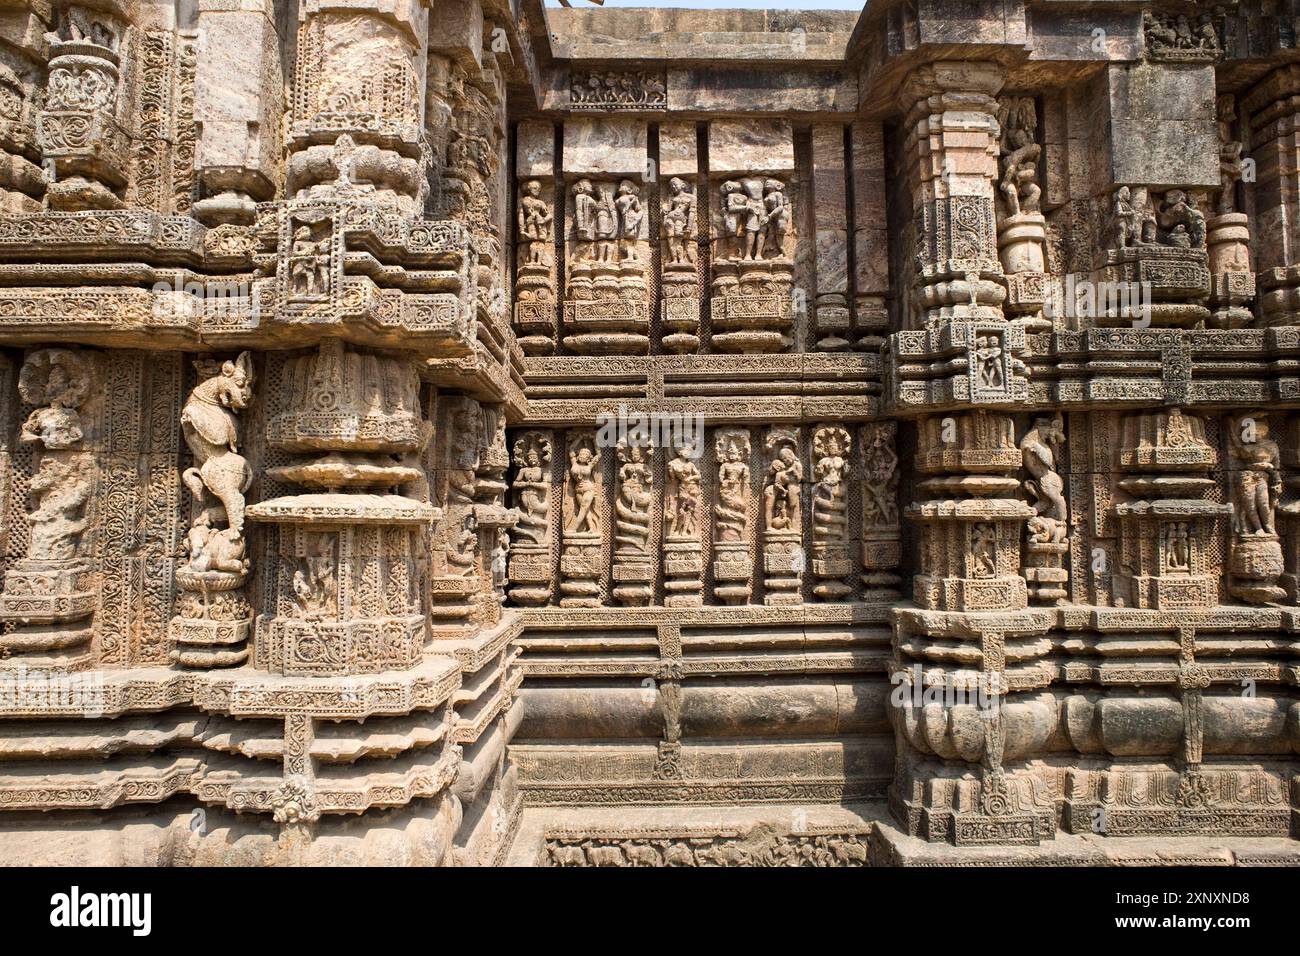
pixel 443 433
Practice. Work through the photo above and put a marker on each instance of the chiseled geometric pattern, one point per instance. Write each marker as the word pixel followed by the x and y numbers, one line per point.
pixel 424 421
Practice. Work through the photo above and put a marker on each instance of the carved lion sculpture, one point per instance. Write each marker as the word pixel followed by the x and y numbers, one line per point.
pixel 211 430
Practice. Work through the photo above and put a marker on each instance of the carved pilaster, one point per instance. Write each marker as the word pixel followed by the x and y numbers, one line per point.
pixel 535 274
pixel 531 569
pixel 733 565
pixel 585 515
pixel 784 558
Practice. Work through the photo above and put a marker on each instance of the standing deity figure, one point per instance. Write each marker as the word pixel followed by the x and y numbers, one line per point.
pixel 211 428
pixel 1040 447
pixel 535 219
pixel 1230 163
pixel 731 511
pixel 632 507
pixel 830 510
pixel 1124 222
pixel 679 222
pixel 584 219
pixel 781 495
pixel 1257 479
pixel 775 220
pixel 1177 550
pixel 532 490
pixel 683 499
pixel 606 227
pixel 583 517
pixel 630 216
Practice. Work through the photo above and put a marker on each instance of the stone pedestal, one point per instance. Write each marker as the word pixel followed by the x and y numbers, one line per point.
pixel 683 564
pixel 581 569
pixel 215 619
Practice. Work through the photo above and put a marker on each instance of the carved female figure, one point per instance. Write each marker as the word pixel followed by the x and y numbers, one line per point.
pixel 984 544
pixel 630 215
pixel 775 220
pixel 879 505
pixel 731 510
pixel 1124 219
pixel 679 222
pixel 1257 482
pixel 583 519
pixel 781 504
pixel 532 458
pixel 632 509
pixel 683 498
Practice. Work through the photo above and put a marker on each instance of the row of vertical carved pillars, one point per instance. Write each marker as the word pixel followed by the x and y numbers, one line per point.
pixel 736 516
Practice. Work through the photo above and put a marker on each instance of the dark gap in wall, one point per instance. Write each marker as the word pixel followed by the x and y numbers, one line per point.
pixel 805 255
pixel 900 225
pixel 559 222
pixel 702 222
pixel 508 246
pixel 851 233
pixel 653 194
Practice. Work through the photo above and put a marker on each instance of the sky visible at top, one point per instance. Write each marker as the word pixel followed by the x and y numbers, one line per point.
pixel 730 4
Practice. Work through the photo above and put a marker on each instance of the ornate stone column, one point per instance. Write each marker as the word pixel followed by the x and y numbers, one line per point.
pixel 49 594
pixel 1270 113
pixel 733 563
pixel 531 569
pixel 784 557
pixel 535 295
pixel 679 223
pixel 82 126
pixel 607 307
pixel 972 638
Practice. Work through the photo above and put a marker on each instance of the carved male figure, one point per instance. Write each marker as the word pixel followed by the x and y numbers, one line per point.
pixel 535 220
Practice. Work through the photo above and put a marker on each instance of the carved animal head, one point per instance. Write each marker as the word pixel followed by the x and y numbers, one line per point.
pixel 237 382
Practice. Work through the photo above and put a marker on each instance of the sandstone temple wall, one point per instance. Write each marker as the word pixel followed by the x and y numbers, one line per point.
pixel 420 415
